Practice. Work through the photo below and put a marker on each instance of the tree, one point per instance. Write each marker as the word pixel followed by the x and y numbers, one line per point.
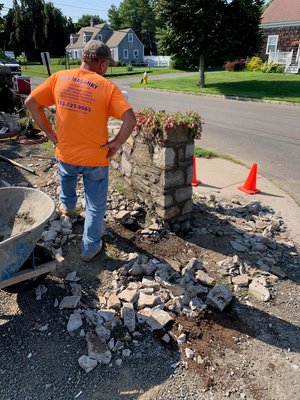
pixel 85 20
pixel 33 26
pixel 195 38
pixel 206 32
pixel 139 16
pixel 114 18
pixel 245 39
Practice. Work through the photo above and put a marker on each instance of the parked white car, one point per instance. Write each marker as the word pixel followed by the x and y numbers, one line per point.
pixel 13 64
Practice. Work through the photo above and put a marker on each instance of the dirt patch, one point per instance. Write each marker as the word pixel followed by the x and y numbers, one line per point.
pixel 249 351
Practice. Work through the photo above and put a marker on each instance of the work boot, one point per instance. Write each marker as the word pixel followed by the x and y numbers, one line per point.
pixel 72 213
pixel 88 258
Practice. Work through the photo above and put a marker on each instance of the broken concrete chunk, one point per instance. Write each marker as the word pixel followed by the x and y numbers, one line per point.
pixel 106 315
pixel 204 278
pixel 103 332
pixel 72 277
pixel 87 363
pixel 259 291
pixel 241 280
pixel 189 353
pixel 75 322
pixel 154 318
pixel 69 302
pixel 114 302
pixel 146 300
pixel 219 297
pixel 129 295
pixel 75 289
pixel 97 349
pixel 128 315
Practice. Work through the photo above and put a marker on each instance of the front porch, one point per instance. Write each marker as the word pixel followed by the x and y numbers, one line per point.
pixel 290 59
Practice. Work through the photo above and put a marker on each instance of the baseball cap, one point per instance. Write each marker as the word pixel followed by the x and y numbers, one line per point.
pixel 96 50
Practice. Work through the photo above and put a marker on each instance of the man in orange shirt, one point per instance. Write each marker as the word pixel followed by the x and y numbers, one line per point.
pixel 84 101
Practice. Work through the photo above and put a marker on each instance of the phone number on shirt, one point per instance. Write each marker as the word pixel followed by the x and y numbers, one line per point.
pixel 67 104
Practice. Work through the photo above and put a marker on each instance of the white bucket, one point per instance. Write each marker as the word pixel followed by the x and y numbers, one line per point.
pixel 13 122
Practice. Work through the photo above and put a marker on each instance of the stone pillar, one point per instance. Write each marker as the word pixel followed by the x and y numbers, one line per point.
pixel 160 172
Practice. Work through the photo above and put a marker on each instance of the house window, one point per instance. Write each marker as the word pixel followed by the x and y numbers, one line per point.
pixel 136 54
pixel 130 37
pixel 272 44
pixel 86 37
pixel 125 54
pixel 99 37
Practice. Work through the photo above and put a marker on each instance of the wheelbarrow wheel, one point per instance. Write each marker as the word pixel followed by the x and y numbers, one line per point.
pixel 41 255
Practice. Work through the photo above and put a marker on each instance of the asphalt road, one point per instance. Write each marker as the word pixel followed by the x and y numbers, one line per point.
pixel 266 133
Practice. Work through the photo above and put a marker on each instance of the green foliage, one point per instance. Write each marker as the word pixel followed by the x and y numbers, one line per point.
pixel 272 67
pixel 210 30
pixel 85 20
pixel 139 16
pixel 237 65
pixel 32 26
pixel 254 64
pixel 129 67
pixel 120 63
pixel 62 61
pixel 152 123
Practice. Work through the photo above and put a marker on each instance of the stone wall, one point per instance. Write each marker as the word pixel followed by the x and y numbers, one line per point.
pixel 160 173
pixel 286 35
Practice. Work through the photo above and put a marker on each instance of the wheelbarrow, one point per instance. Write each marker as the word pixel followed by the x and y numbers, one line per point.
pixel 24 213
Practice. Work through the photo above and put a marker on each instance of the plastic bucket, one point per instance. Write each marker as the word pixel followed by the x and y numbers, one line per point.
pixel 22 84
pixel 13 122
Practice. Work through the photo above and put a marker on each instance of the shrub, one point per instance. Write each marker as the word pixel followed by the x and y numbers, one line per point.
pixel 236 65
pixel 120 63
pixel 129 67
pixel 254 64
pixel 272 67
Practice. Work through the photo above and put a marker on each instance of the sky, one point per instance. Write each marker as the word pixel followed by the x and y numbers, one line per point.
pixel 76 8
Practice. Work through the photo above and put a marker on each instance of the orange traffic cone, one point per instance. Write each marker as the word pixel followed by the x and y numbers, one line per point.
pixel 195 181
pixel 250 183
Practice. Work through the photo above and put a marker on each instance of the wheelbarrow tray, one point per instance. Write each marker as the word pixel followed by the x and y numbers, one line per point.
pixel 24 213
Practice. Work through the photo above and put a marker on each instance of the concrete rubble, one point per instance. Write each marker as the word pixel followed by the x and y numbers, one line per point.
pixel 148 293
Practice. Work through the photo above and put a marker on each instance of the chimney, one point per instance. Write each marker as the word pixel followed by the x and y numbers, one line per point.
pixel 92 22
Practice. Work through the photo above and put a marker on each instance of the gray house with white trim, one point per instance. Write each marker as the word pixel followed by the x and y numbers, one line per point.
pixel 124 44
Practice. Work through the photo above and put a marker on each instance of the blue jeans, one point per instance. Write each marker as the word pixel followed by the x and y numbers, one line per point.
pixel 95 181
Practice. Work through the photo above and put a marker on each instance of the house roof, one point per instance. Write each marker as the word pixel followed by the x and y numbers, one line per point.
pixel 281 11
pixel 117 37
pixel 93 30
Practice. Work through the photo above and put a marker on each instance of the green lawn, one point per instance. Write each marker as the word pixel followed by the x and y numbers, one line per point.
pixel 241 84
pixel 39 70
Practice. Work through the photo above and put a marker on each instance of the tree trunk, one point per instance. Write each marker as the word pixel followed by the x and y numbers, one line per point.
pixel 201 82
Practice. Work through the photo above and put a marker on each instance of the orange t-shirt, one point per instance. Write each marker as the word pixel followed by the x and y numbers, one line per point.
pixel 84 102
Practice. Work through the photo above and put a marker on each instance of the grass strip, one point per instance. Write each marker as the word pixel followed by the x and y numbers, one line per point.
pixel 245 84
pixel 204 153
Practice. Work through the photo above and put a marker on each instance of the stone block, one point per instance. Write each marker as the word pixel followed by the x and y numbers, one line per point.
pixel 167 214
pixel 189 150
pixel 183 193
pixel 163 157
pixel 171 179
pixel 125 166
